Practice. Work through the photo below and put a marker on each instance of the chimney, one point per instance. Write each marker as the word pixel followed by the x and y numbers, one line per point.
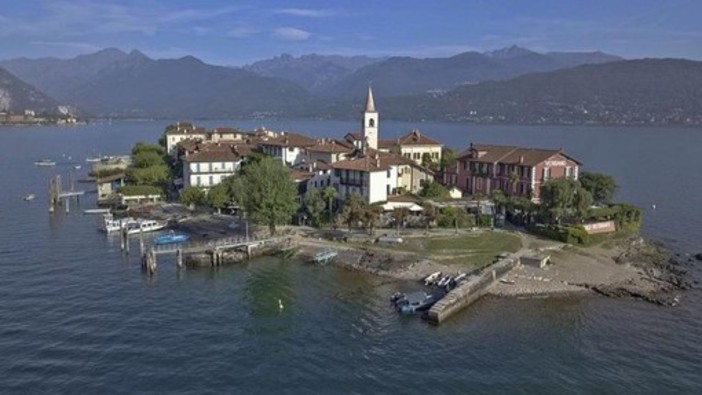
pixel 521 159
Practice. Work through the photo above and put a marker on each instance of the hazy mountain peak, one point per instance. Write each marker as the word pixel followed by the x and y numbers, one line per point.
pixel 135 53
pixel 508 52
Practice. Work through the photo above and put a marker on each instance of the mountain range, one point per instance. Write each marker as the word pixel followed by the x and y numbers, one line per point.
pixel 17 96
pixel 512 84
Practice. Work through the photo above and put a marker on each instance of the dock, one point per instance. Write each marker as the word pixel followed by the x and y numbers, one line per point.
pixel 58 196
pixel 214 248
pixel 470 290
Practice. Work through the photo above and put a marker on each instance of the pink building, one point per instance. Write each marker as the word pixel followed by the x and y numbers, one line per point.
pixel 482 169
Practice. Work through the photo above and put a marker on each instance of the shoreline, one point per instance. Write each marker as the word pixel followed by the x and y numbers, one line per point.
pixel 635 266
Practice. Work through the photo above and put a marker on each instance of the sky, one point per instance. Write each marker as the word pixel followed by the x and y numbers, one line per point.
pixel 239 32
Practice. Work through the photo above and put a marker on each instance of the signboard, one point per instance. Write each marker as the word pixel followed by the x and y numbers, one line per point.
pixel 556 163
pixel 600 227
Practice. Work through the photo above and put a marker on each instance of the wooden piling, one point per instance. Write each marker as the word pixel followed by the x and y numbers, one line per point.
pixel 179 258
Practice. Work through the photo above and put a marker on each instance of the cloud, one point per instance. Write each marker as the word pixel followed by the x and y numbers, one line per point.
pixel 62 18
pixel 242 32
pixel 291 34
pixel 306 12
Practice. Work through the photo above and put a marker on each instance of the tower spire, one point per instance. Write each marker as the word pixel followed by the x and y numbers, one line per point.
pixel 370 104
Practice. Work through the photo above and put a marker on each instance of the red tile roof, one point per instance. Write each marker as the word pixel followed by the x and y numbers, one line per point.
pixel 486 153
pixel 331 146
pixel 289 140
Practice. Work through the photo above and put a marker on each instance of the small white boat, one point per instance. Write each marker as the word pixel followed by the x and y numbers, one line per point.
pixel 445 280
pixel 460 277
pixel 113 225
pixel 93 159
pixel 145 225
pixel 29 197
pixel 431 279
pixel 45 162
pixel 77 167
pixel 96 211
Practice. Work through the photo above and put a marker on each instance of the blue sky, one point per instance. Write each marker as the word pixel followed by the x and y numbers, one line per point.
pixel 237 32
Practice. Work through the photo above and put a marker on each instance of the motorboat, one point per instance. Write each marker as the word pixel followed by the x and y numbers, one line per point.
pixel 112 225
pixel 45 162
pixel 460 277
pixel 93 159
pixel 431 279
pixel 145 225
pixel 96 211
pixel 29 197
pixel 445 280
pixel 171 238
pixel 77 167
pixel 417 301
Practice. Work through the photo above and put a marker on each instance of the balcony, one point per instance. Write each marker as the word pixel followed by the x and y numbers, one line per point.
pixel 353 182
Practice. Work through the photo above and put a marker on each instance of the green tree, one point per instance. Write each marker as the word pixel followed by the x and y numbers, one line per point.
pixel 144 147
pixel 430 215
pixel 450 216
pixel 329 194
pixel 449 157
pixel 218 197
pixel 371 214
pixel 268 193
pixel 314 205
pixel 154 175
pixel 601 186
pixel 353 209
pixel 564 198
pixel 434 190
pixel 193 195
pixel 399 214
pixel 145 159
pixel 428 162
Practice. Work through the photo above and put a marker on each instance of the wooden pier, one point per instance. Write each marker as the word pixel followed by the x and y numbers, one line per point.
pixel 214 248
pixel 57 196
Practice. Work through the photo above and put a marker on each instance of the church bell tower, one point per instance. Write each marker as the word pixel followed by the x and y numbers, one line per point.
pixel 370 122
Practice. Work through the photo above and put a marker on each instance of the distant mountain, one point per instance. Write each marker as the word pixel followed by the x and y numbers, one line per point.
pixel 647 91
pixel 185 88
pixel 313 72
pixel 61 77
pixel 17 96
pixel 404 75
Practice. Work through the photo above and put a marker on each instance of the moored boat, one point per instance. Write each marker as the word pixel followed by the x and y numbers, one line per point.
pixel 112 225
pixel 171 238
pixel 432 278
pixel 28 197
pixel 145 225
pixel 416 301
pixel 45 162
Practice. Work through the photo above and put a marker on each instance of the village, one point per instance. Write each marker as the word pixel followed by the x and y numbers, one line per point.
pixel 489 219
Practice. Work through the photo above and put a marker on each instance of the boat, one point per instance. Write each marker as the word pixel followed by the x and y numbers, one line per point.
pixel 29 197
pixel 77 167
pixel 145 225
pixel 96 211
pixel 324 256
pixel 93 159
pixel 171 238
pixel 112 225
pixel 445 280
pixel 45 162
pixel 460 277
pixel 417 301
pixel 431 279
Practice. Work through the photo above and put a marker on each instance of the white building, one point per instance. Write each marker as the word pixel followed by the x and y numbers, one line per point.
pixel 367 175
pixel 182 131
pixel 288 147
pixel 207 168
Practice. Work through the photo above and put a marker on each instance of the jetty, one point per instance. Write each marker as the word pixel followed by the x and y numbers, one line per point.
pixel 58 196
pixel 214 248
pixel 470 290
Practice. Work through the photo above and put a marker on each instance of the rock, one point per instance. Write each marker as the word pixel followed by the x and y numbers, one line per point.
pixel 698 256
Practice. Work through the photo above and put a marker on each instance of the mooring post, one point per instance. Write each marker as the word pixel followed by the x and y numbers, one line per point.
pixel 152 263
pixel 122 236
pixel 179 258
pixel 67 201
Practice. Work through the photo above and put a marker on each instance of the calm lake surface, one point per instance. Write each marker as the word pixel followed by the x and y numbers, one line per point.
pixel 76 316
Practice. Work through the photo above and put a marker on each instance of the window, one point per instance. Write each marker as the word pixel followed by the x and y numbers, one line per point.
pixel 435 155
pixel 387 189
pixel 569 172
pixel 389 173
pixel 479 183
pixel 197 181
pixel 547 173
pixel 417 155
pixel 371 123
pixel 211 180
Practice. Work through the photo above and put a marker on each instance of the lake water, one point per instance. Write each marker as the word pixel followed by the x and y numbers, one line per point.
pixel 76 316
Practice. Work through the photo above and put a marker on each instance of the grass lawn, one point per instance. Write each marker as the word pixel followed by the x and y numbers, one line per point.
pixel 486 242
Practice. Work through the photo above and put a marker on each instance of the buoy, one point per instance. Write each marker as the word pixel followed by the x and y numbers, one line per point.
pixel 280 304
pixel 653 206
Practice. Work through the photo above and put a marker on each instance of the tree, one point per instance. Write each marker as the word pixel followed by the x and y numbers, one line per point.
pixel 218 197
pixel 154 175
pixel 449 157
pixel 353 209
pixel 434 190
pixel 268 193
pixel 144 159
pixel 329 194
pixel 144 147
pixel 371 214
pixel 564 198
pixel 399 214
pixel 430 215
pixel 192 195
pixel 428 162
pixel 314 205
pixel 601 186
pixel 450 216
